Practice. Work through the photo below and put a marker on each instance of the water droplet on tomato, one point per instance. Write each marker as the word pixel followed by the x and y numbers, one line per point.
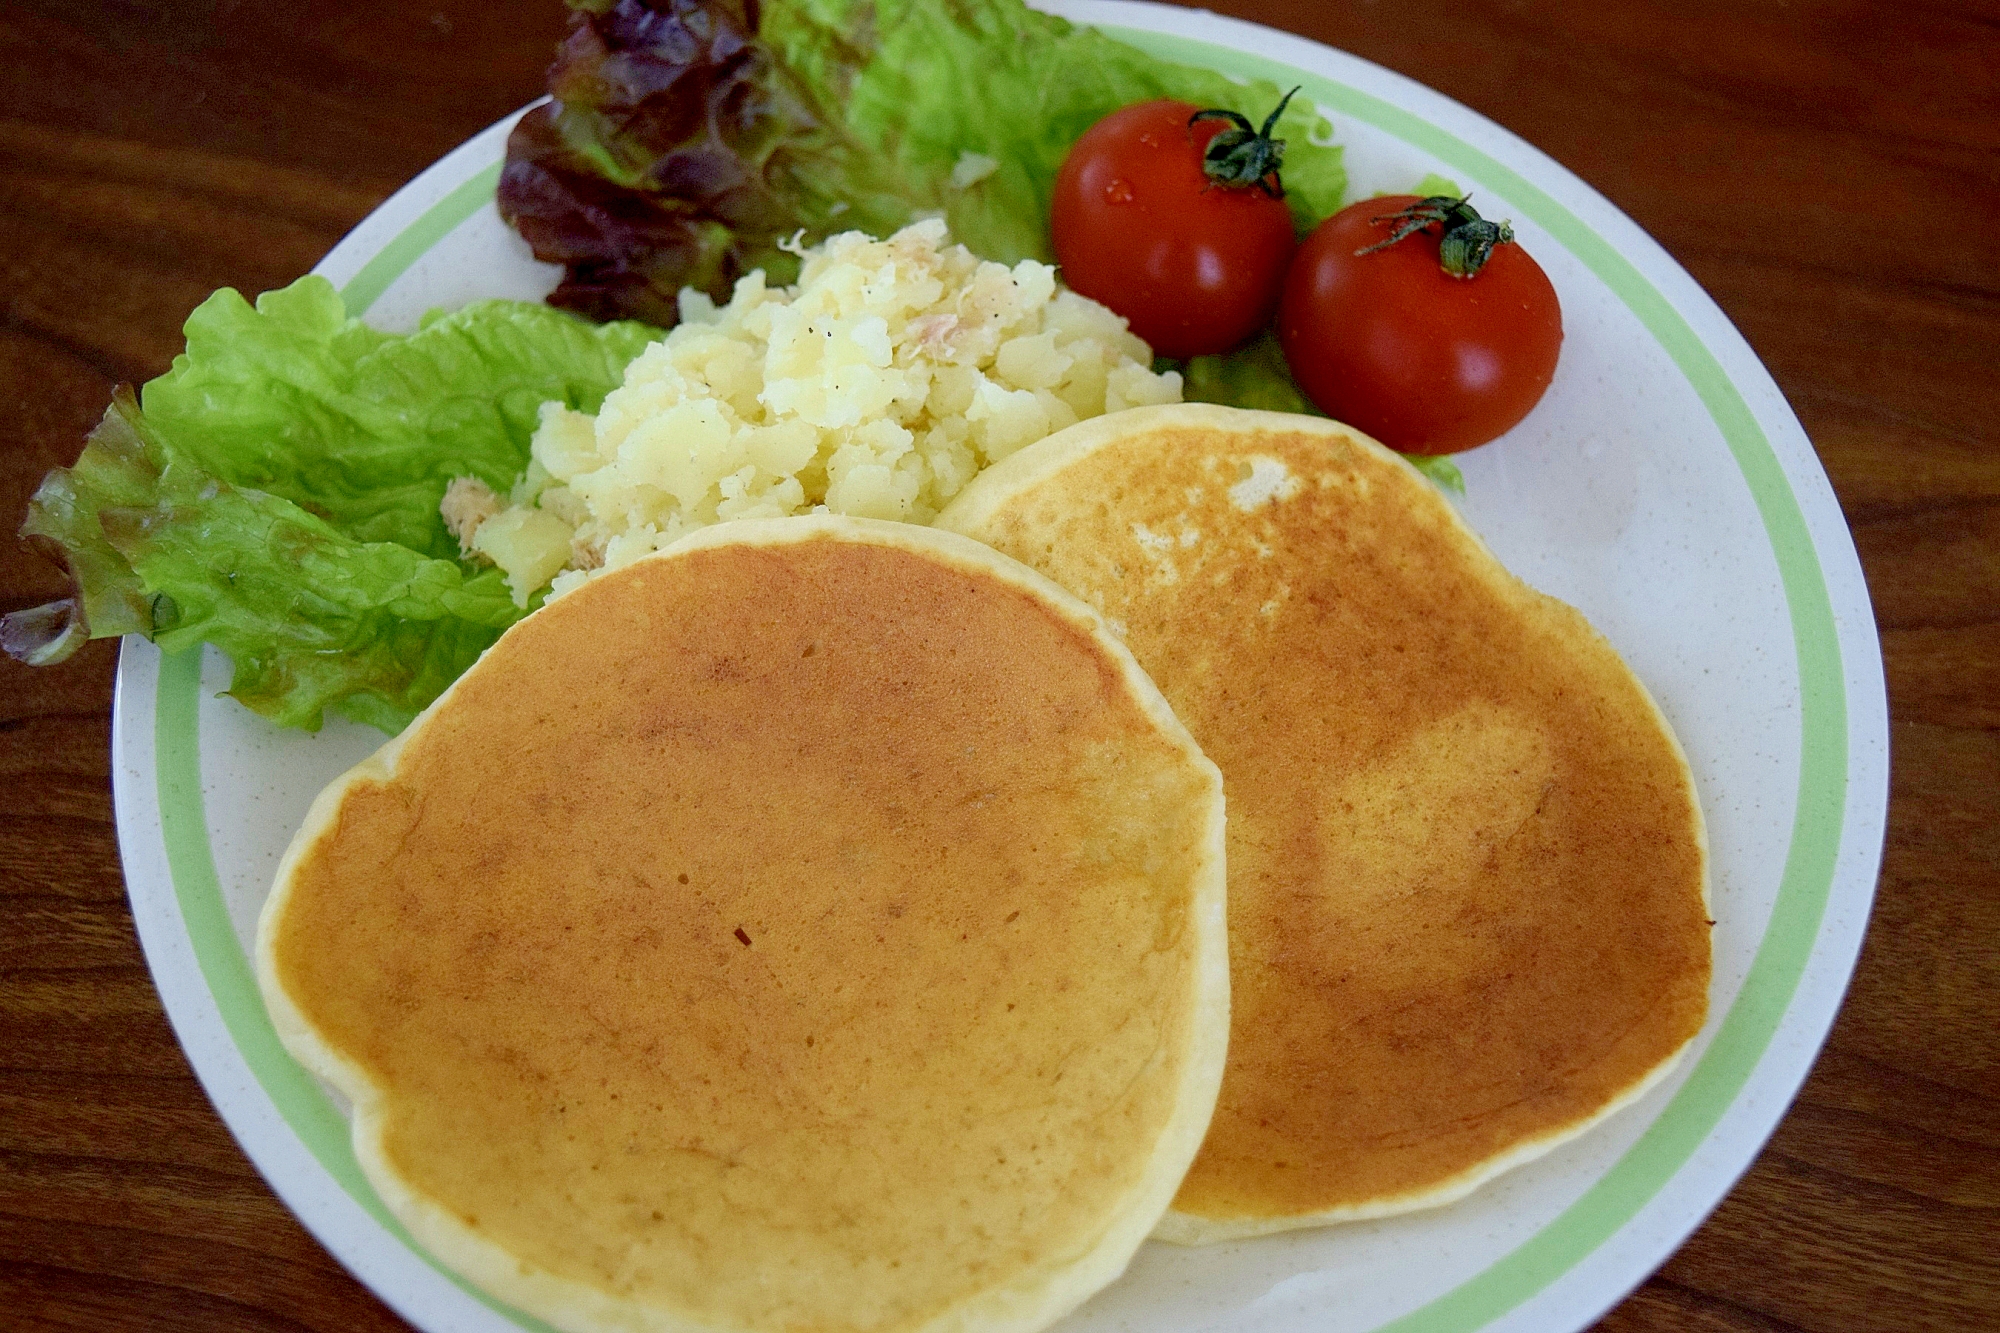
pixel 1119 191
pixel 1150 139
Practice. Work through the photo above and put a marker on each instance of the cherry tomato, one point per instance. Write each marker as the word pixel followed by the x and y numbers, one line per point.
pixel 1193 265
pixel 1391 344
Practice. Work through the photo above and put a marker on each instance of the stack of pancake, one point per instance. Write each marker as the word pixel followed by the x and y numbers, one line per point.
pixel 819 925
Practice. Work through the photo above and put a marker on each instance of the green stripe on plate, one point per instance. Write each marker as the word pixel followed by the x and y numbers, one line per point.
pixel 1739 1043
pixel 415 240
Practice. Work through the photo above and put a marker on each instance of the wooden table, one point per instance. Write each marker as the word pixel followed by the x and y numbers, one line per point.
pixel 1828 172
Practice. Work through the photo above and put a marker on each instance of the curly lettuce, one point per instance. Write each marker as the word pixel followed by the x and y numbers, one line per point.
pixel 276 494
pixel 687 139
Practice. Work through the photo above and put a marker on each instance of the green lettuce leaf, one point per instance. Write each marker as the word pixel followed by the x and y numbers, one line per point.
pixel 1435 184
pixel 688 138
pixel 1253 376
pixel 1440 469
pixel 276 494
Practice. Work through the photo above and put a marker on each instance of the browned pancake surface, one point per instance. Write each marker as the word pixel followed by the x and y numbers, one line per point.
pixel 791 936
pixel 1466 870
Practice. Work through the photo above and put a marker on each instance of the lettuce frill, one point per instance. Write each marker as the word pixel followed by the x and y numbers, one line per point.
pixel 276 494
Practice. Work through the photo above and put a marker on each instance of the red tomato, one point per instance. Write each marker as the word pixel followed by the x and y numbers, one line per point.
pixel 1392 345
pixel 1194 266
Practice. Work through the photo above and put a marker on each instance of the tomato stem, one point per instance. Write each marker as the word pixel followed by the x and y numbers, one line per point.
pixel 1243 155
pixel 1467 242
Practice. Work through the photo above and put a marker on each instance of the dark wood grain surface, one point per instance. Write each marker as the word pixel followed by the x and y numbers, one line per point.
pixel 1828 171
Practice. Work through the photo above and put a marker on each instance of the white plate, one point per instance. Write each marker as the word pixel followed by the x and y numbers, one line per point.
pixel 1663 486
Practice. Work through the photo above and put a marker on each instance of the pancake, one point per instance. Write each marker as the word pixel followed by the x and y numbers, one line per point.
pixel 815 926
pixel 1467 873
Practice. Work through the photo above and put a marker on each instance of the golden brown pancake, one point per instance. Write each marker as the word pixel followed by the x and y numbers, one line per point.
pixel 816 926
pixel 1468 906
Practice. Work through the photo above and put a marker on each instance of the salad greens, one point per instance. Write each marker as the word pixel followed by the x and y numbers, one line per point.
pixel 276 494
pixel 688 138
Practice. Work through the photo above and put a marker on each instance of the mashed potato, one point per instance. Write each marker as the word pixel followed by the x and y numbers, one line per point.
pixel 878 386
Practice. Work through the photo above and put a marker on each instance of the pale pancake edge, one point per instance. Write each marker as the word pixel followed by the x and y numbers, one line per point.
pixel 1468 883
pixel 817 925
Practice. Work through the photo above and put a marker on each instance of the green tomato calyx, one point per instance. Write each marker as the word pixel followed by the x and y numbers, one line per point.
pixel 1243 155
pixel 1467 242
